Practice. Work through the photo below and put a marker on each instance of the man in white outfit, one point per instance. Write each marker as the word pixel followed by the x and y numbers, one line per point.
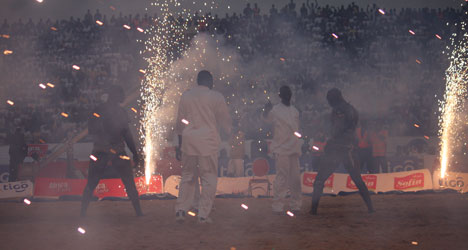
pixel 286 147
pixel 201 112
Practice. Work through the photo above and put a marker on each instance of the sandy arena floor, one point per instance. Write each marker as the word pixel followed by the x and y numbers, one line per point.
pixel 434 221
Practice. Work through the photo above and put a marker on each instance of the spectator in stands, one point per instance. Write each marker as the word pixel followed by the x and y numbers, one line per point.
pixel 286 147
pixel 378 138
pixel 365 149
pixel 237 152
pixel 18 150
pixel 317 149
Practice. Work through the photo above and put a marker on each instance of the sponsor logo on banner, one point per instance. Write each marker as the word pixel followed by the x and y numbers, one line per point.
pixel 457 182
pixel 309 179
pixel 369 180
pixel 411 181
pixel 16 189
pixel 60 187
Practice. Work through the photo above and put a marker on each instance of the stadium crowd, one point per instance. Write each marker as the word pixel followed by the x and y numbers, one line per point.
pixel 368 52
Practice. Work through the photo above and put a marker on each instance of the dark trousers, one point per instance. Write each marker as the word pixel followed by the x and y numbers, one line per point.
pixel 15 162
pixel 96 171
pixel 366 161
pixel 380 163
pixel 334 155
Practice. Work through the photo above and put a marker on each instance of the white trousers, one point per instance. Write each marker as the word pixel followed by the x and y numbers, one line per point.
pixel 236 168
pixel 288 177
pixel 194 167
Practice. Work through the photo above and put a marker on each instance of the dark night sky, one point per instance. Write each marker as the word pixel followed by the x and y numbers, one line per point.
pixel 14 9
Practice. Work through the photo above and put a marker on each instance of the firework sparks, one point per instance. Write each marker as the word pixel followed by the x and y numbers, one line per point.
pixel 6 36
pixel 290 213
pixel 191 213
pixel 297 134
pixel 126 26
pixel 92 157
pixel 81 230
pixel 124 157
pixel 316 148
pixel 7 52
pixel 27 202
pixel 64 114
pixel 412 32
pixel 438 36
pixel 39 1
pixel 50 85
pixel 53 28
pixel 185 122
pixel 244 206
pixel 381 11
pixel 335 35
pixel 76 67
pixel 140 29
pixel 42 86
pixel 10 102
pixel 99 23
pixel 96 115
pixel 452 107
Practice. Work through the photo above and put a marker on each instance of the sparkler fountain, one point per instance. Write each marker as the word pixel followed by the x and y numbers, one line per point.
pixel 452 118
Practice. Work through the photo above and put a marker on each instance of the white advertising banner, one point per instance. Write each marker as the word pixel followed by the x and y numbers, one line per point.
pixel 408 181
pixel 229 186
pixel 16 189
pixel 452 180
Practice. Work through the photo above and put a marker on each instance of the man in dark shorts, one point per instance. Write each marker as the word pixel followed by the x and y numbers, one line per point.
pixel 108 124
pixel 340 148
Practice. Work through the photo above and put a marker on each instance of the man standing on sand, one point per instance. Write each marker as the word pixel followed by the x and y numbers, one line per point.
pixel 286 147
pixel 201 112
pixel 340 148
pixel 108 125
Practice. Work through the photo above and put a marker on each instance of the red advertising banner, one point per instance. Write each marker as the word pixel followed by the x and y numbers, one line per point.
pixel 410 181
pixel 369 180
pixel 55 187
pixel 309 178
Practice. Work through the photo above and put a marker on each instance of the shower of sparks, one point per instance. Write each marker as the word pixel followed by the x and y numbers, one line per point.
pixel 290 213
pixel 244 206
pixel 297 134
pixel 412 32
pixel 99 23
pixel 452 108
pixel 64 114
pixel 50 85
pixel 438 36
pixel 175 52
pixel 381 11
pixel 140 29
pixel 27 202
pixel 76 67
pixel 96 115
pixel 10 102
pixel 42 86
pixel 7 52
pixel 185 122
pixel 335 35
pixel 316 148
pixel 126 26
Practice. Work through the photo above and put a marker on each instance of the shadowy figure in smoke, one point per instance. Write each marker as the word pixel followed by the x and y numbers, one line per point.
pixel 340 148
pixel 108 125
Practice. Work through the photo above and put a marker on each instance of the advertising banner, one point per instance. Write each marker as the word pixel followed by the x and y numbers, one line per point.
pixel 56 187
pixel 451 180
pixel 16 189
